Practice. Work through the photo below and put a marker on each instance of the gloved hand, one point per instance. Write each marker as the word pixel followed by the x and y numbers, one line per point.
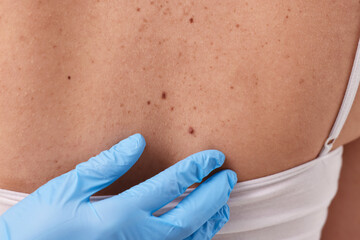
pixel 61 210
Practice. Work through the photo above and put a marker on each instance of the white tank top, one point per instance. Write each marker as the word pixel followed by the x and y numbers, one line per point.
pixel 288 205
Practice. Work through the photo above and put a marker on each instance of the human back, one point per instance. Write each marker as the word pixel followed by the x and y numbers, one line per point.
pixel 262 82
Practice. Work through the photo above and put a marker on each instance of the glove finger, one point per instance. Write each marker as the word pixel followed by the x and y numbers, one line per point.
pixel 161 189
pixel 212 226
pixel 204 201
pixel 102 170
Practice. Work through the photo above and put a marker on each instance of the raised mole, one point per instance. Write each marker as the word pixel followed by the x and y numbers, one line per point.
pixel 163 95
pixel 191 130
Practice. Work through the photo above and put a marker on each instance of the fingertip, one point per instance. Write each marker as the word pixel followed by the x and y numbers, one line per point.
pixel 217 155
pixel 232 176
pixel 131 143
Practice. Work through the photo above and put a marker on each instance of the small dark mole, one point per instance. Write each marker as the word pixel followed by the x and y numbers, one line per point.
pixel 172 108
pixel 191 130
pixel 69 77
pixel 148 102
pixel 287 16
pixel 163 95
pixel 231 87
pixel 191 20
pixel 138 9
pixel 237 25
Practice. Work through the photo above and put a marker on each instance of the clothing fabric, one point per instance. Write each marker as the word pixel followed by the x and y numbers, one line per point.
pixel 288 205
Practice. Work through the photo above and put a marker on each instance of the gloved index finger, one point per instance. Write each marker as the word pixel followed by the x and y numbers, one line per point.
pixel 161 189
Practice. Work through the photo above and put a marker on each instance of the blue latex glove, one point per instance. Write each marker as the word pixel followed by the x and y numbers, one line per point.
pixel 61 210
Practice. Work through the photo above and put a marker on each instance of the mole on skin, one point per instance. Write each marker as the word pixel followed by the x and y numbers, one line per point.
pixel 148 102
pixel 69 77
pixel 191 130
pixel 191 20
pixel 163 95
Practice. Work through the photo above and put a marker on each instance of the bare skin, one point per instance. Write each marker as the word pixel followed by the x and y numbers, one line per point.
pixel 261 81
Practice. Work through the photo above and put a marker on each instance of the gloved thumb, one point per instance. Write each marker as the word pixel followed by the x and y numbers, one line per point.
pixel 102 170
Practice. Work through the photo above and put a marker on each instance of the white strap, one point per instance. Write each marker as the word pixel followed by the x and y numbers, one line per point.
pixel 348 100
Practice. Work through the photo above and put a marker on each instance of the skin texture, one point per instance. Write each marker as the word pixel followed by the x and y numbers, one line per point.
pixel 261 81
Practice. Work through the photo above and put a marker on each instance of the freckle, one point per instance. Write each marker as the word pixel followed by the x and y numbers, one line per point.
pixel 143 68
pixel 69 77
pixel 152 3
pixel 148 102
pixel 163 95
pixel 231 87
pixel 217 57
pixel 191 20
pixel 289 9
pixel 180 54
pixel 121 105
pixel 301 81
pixel 206 8
pixel 138 9
pixel 172 108
pixel 191 130
pixel 287 16
pixel 237 25
pixel 54 46
pixel 194 107
pixel 129 111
